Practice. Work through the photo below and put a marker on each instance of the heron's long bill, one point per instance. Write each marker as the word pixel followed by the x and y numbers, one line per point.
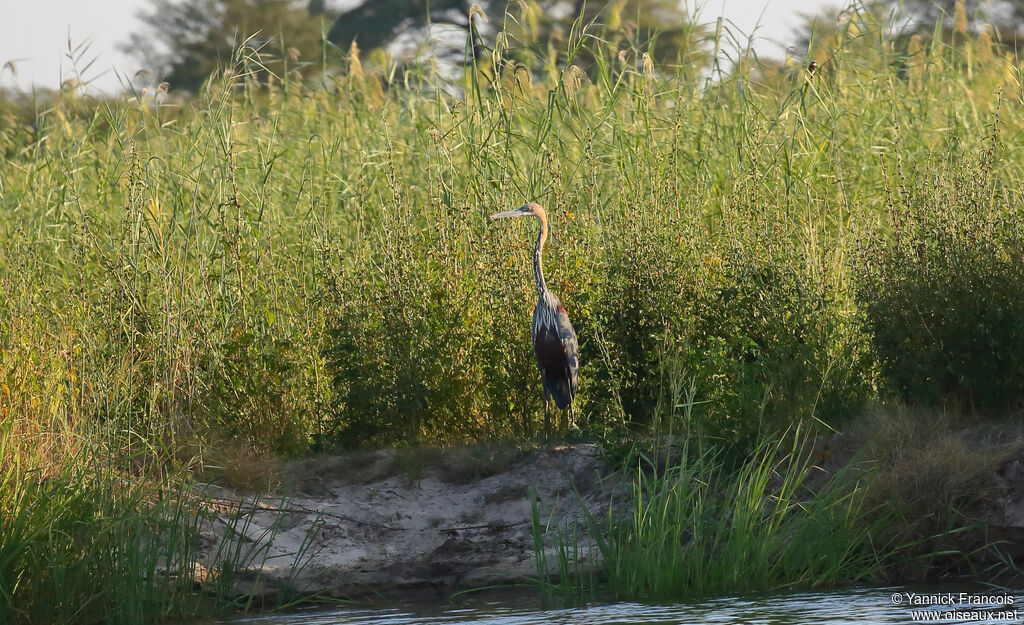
pixel 515 212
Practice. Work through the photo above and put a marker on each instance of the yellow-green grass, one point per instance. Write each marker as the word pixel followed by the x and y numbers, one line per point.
pixel 293 262
pixel 275 265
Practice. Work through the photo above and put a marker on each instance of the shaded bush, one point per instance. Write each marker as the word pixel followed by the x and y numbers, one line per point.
pixel 246 391
pixel 942 290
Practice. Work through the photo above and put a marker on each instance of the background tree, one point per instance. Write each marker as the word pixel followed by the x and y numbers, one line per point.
pixel 1006 17
pixel 914 21
pixel 184 41
pixel 821 34
pixel 377 23
pixel 659 27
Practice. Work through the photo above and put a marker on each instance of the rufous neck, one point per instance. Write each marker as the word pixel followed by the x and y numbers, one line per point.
pixel 542 235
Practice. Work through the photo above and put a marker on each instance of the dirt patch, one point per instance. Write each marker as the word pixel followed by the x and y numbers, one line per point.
pixel 396 523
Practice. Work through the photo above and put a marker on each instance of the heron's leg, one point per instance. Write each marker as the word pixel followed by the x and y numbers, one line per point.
pixel 547 415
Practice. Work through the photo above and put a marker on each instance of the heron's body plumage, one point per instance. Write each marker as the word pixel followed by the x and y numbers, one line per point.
pixel 554 344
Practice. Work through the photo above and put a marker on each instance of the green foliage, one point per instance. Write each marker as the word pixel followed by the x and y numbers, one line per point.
pixel 428 333
pixel 693 527
pixel 734 322
pixel 185 42
pixel 422 344
pixel 280 263
pixel 942 291
pixel 247 398
pixel 82 546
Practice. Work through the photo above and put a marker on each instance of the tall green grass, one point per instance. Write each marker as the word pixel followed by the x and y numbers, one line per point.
pixel 84 541
pixel 696 526
pixel 698 529
pixel 84 545
pixel 280 262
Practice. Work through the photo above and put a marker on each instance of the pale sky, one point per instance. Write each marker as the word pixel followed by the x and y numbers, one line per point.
pixel 34 35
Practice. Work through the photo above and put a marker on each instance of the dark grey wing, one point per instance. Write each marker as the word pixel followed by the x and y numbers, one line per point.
pixel 554 343
pixel 571 348
pixel 551 360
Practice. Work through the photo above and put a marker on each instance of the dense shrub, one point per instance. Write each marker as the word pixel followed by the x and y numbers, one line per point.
pixel 427 343
pixel 942 290
pixel 736 333
pixel 245 391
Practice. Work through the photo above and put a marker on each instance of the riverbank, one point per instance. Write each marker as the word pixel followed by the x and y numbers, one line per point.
pixel 404 523
pixel 427 523
pixel 902 496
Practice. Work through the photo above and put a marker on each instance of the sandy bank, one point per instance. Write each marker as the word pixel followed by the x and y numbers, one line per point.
pixel 385 523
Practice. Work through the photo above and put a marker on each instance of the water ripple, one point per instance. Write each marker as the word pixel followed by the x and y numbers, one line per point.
pixel 865 605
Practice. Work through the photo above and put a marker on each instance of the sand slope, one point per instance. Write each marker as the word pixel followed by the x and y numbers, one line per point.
pixel 394 524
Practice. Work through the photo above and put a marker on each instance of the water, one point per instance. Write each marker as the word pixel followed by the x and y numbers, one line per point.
pixel 870 605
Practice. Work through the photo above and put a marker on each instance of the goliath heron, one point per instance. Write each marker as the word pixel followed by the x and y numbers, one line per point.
pixel 554 341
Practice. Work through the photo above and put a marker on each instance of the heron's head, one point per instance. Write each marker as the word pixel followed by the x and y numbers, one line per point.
pixel 531 209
